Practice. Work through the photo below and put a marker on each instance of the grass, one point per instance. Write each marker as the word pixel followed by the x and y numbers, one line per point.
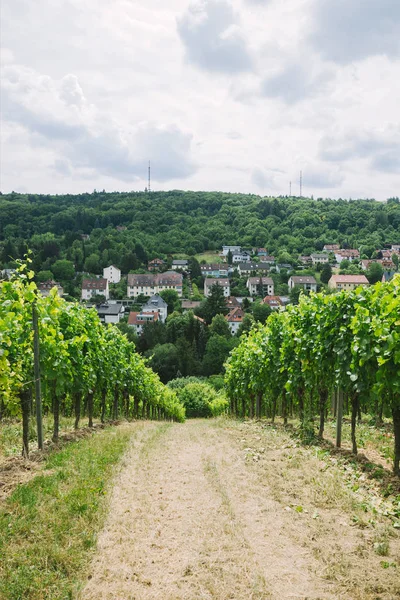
pixel 209 257
pixel 369 437
pixel 11 433
pixel 48 526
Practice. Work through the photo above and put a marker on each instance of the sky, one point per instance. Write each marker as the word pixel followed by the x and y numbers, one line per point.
pixel 226 95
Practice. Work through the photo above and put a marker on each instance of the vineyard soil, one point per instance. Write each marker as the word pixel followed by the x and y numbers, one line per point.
pixel 224 510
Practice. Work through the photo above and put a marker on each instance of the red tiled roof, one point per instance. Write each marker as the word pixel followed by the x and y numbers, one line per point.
pixel 94 284
pixel 135 318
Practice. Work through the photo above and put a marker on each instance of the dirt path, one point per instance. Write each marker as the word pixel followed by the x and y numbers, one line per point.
pixel 208 510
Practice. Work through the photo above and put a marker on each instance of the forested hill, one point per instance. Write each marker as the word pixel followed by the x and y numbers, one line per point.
pixel 191 222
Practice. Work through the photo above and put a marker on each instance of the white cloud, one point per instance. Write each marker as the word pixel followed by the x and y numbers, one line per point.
pixel 349 30
pixel 231 94
pixel 212 38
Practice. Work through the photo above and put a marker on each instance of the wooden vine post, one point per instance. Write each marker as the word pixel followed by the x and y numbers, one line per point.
pixel 36 366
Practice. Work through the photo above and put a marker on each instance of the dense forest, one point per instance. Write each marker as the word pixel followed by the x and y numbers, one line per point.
pixel 127 229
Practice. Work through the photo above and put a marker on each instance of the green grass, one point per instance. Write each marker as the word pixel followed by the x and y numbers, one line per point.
pixel 209 257
pixel 368 436
pixel 48 526
pixel 11 433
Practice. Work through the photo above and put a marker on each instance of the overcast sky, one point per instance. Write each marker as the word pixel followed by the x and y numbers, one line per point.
pixel 232 95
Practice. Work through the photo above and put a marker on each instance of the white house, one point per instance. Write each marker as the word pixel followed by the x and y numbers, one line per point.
pixel 110 313
pixel 182 265
pixel 234 319
pixel 307 282
pixel 232 249
pixel 253 267
pixel 319 259
pixel 137 320
pixel 156 305
pixel 260 286
pixel 95 287
pixel 346 254
pixel 224 283
pixel 45 287
pixel 150 284
pixel 331 247
pixel 113 274
pixel 240 257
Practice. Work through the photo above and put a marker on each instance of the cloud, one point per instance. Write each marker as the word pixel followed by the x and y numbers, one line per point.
pixel 57 114
pixel 212 39
pixel 295 83
pixel 381 149
pixel 262 178
pixel 318 176
pixel 351 30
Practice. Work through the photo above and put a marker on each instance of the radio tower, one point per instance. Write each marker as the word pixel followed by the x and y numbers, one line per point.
pixel 290 189
pixel 149 172
pixel 301 184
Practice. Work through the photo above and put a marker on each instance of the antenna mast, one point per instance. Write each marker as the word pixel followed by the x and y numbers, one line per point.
pixel 149 172
pixel 301 184
pixel 290 189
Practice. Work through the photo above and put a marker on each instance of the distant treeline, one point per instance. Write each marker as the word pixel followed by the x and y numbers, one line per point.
pixel 127 229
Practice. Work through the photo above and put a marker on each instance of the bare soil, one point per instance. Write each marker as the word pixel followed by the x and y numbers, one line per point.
pixel 223 510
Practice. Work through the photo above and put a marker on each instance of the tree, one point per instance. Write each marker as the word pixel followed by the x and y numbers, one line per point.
pixel 246 325
pixel 215 304
pixel 194 267
pixel 172 299
pixel 217 351
pixel 374 273
pixel 164 360
pixel 326 273
pixel 261 312
pixel 44 276
pixel 92 264
pixel 63 270
pixel 219 326
pixel 395 259
pixel 295 294
pixel 229 257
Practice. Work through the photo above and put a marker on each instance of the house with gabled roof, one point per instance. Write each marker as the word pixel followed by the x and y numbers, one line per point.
pixel 156 264
pixel 347 282
pixel 260 286
pixel 307 282
pixel 349 254
pixel 138 320
pixel 110 313
pixel 248 268
pixel 224 283
pixel 45 286
pixel 235 318
pixel 149 284
pixel 95 287
pixel 113 274
pixel 156 305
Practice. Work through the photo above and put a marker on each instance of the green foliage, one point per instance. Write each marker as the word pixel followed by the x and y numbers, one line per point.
pixel 199 398
pixel 219 326
pixel 349 340
pixel 374 273
pixel 326 273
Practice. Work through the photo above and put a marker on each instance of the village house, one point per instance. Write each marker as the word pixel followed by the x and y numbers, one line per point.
pixel 224 283
pixel 7 273
pixel 246 269
pixel 138 320
pixel 261 252
pixel 190 305
pixel 386 263
pixel 214 270
pixel 305 260
pixel 156 264
pixel 45 287
pixel 331 247
pixel 239 257
pixel 95 287
pixel 150 284
pixel 274 302
pixel 234 319
pixel 231 249
pixel 307 282
pixel 156 305
pixel 283 267
pixel 260 286
pixel 181 265
pixel 347 282
pixel 346 254
pixel 110 313
pixel 113 274
pixel 319 259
